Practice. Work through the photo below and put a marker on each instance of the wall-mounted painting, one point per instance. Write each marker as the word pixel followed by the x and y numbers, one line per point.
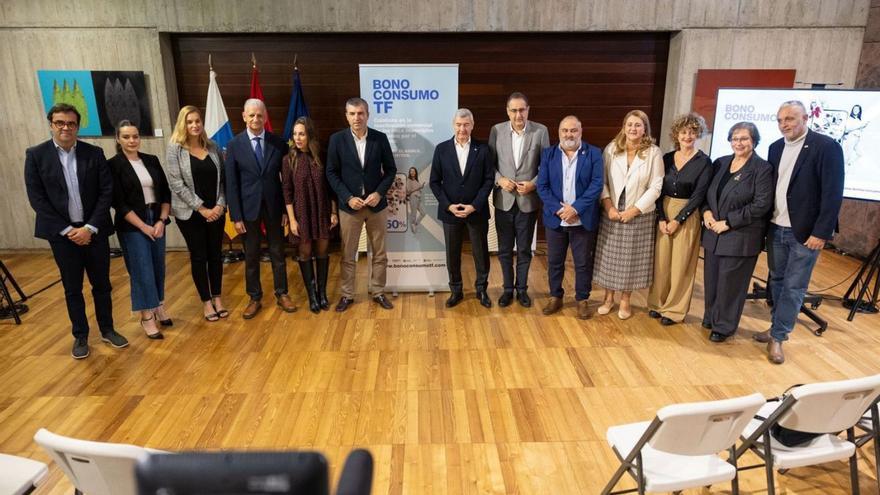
pixel 103 98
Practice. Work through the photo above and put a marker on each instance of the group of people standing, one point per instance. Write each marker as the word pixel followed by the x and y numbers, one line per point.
pixel 637 217
pixel 630 213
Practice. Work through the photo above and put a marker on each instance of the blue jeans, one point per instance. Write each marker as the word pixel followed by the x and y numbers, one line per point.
pixel 791 265
pixel 145 262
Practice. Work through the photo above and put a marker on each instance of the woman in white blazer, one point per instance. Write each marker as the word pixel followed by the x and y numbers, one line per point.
pixel 633 180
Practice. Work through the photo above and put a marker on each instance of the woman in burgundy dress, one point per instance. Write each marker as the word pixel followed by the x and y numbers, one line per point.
pixel 311 212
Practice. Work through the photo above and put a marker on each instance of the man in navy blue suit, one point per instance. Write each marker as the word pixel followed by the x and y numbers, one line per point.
pixel 808 168
pixel 462 175
pixel 570 180
pixel 253 191
pixel 70 187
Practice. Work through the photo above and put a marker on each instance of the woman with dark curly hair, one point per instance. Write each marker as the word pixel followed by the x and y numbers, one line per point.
pixel 687 174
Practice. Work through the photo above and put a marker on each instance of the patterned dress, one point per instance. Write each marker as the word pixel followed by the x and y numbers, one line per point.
pixel 306 189
pixel 625 251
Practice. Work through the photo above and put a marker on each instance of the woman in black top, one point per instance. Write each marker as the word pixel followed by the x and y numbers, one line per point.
pixel 688 171
pixel 195 176
pixel 142 202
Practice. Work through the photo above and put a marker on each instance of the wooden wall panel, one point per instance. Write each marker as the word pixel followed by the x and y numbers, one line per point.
pixel 598 77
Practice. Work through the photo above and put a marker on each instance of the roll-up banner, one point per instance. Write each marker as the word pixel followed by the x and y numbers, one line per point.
pixel 413 104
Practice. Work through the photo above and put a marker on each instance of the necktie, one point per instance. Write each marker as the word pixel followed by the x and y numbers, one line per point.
pixel 258 153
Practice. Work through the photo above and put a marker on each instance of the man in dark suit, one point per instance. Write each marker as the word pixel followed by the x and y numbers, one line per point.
pixel 360 169
pixel 570 180
pixel 808 168
pixel 253 192
pixel 70 187
pixel 516 147
pixel 462 175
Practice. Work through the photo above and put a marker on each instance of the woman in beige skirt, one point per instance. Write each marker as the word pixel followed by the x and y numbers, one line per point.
pixel 687 175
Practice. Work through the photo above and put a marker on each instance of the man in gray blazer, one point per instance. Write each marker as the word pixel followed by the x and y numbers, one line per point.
pixel 516 148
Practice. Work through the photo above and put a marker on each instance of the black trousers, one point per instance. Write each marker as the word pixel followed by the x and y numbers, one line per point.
pixel 726 284
pixel 583 251
pixel 252 238
pixel 453 233
pixel 205 241
pixel 94 260
pixel 514 226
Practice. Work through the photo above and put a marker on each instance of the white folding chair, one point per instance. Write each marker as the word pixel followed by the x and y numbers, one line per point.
pixel 20 475
pixel 825 409
pixel 94 468
pixel 679 448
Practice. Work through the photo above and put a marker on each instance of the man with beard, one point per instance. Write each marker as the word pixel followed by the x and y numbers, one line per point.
pixel 570 180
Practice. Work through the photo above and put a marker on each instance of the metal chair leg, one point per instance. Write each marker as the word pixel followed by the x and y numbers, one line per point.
pixel 640 474
pixel 734 483
pixel 853 462
pixel 768 464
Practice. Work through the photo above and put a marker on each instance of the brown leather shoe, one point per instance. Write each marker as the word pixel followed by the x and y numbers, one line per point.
pixel 774 352
pixel 584 312
pixel 343 304
pixel 553 305
pixel 383 301
pixel 251 310
pixel 763 337
pixel 284 302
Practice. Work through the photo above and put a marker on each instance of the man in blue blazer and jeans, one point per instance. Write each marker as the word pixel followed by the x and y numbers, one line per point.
pixel 462 175
pixel 570 180
pixel 253 192
pixel 808 168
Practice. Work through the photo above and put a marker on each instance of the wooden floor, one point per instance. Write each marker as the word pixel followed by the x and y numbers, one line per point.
pixel 466 400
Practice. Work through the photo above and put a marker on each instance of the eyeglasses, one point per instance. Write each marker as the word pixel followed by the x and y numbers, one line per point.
pixel 60 124
pixel 740 139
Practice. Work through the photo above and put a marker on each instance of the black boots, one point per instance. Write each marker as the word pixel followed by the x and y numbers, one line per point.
pixel 322 266
pixel 308 274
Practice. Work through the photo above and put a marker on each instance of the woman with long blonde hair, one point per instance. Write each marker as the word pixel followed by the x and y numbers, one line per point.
pixel 195 176
pixel 633 179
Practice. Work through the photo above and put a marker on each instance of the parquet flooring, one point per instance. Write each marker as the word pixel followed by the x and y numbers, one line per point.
pixel 466 400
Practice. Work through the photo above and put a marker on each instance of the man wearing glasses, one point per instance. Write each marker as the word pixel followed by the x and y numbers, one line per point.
pixel 70 188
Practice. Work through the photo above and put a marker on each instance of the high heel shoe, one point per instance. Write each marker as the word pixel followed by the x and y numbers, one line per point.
pixel 605 308
pixel 221 313
pixel 624 314
pixel 167 322
pixel 154 336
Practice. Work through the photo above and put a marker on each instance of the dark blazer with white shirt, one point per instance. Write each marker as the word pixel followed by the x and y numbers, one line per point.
pixel 128 194
pixel 48 194
pixel 346 175
pixel 815 191
pixel 745 203
pixel 450 186
pixel 248 185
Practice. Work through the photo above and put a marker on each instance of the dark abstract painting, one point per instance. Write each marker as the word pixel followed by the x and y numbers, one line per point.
pixel 122 95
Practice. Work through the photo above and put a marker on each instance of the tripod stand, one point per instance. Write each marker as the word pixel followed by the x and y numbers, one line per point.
pixel 8 307
pixel 860 304
pixel 814 300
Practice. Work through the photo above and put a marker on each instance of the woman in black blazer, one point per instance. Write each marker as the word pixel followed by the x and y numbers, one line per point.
pixel 142 201
pixel 735 217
